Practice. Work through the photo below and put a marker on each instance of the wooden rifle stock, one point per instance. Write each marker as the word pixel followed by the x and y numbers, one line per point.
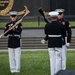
pixel 19 21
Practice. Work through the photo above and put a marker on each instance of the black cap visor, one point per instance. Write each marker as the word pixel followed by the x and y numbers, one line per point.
pixel 60 13
pixel 13 15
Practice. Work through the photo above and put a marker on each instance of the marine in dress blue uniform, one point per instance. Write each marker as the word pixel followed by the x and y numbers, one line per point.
pixel 67 39
pixel 14 45
pixel 54 31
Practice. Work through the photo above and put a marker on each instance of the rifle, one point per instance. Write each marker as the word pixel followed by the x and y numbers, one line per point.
pixel 41 11
pixel 19 21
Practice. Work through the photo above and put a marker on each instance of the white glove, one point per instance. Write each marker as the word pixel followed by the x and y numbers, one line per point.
pixel 67 44
pixel 43 41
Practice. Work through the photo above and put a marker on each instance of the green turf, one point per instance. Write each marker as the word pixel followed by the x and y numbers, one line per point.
pixel 26 24
pixel 33 24
pixel 33 63
pixel 72 23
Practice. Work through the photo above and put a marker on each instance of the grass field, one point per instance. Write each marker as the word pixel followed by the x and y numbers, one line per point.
pixel 26 24
pixel 33 24
pixel 33 63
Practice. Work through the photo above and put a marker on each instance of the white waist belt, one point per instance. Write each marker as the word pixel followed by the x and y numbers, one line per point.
pixel 14 35
pixel 54 35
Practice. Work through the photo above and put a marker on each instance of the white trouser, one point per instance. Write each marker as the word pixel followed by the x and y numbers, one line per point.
pixel 14 58
pixel 55 59
pixel 63 59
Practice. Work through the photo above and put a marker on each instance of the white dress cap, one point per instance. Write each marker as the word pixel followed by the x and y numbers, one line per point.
pixel 13 13
pixel 60 10
pixel 53 14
